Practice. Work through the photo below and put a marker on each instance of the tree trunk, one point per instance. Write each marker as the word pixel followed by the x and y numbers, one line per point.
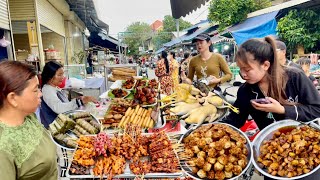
pixel 300 49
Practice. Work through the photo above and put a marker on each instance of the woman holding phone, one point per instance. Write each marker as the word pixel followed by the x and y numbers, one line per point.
pixel 272 92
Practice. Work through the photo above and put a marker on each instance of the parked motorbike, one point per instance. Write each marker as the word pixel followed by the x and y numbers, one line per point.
pixel 144 71
pixel 152 65
pixel 147 64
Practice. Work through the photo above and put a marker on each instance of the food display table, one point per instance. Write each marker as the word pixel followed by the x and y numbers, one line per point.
pixel 142 134
pixel 108 67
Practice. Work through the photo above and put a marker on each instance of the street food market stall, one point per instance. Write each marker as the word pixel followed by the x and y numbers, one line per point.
pixel 137 132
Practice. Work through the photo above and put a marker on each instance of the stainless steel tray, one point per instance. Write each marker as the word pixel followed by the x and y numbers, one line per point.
pixel 70 113
pixel 159 124
pixel 267 134
pixel 127 172
pixel 187 170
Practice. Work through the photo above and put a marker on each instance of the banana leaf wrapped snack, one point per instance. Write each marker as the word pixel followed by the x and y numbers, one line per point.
pixel 67 128
pixel 87 126
pixel 80 115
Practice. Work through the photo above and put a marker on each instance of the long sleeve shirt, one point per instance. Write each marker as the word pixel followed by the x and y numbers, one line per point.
pixel 213 66
pixel 49 94
pixel 299 89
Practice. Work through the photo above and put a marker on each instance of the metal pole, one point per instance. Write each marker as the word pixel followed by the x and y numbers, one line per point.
pixel 119 47
pixel 177 25
pixel 234 50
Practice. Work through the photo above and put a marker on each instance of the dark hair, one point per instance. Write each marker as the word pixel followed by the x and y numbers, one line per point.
pixel 194 53
pixel 265 50
pixel 164 55
pixel 186 55
pixel 1 33
pixel 49 71
pixel 303 61
pixel 14 76
pixel 173 54
pixel 211 47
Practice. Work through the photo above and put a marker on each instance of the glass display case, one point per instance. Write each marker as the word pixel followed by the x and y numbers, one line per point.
pixel 75 70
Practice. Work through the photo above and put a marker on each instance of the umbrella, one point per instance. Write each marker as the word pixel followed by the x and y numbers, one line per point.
pixel 181 8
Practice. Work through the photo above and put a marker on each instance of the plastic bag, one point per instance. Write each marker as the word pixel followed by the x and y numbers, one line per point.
pixel 4 42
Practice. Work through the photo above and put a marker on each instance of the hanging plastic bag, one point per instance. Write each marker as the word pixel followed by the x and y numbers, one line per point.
pixel 4 42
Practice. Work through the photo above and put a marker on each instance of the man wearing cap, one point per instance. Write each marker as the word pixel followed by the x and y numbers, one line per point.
pixel 207 65
pixel 281 53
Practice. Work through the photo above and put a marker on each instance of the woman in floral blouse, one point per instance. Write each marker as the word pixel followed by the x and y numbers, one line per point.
pixel 164 72
pixel 175 70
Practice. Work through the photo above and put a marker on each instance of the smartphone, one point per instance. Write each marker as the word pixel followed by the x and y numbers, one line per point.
pixel 261 101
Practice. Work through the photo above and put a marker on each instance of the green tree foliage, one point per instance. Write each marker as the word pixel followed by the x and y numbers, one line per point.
pixel 300 28
pixel 135 36
pixel 160 38
pixel 261 4
pixel 229 12
pixel 169 25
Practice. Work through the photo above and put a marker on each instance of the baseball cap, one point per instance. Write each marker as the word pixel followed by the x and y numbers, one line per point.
pixel 281 45
pixel 201 37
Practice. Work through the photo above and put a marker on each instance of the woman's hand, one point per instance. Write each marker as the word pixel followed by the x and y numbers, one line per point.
pixel 213 80
pixel 86 99
pixel 183 75
pixel 186 80
pixel 274 106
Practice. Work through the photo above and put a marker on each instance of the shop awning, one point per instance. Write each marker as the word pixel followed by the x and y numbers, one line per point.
pixel 181 8
pixel 199 31
pixel 160 50
pixel 85 9
pixel 196 26
pixel 255 27
pixel 103 40
pixel 189 37
pixel 174 41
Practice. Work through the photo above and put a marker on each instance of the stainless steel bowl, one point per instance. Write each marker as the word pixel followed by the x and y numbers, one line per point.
pixel 188 171
pixel 267 134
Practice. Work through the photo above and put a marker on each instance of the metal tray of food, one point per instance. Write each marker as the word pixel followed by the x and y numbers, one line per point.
pixel 222 112
pixel 69 133
pixel 127 172
pixel 266 134
pixel 186 168
pixel 108 94
pixel 133 86
pixel 159 123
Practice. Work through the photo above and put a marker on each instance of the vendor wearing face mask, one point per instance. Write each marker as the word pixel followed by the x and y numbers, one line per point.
pixel 55 100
